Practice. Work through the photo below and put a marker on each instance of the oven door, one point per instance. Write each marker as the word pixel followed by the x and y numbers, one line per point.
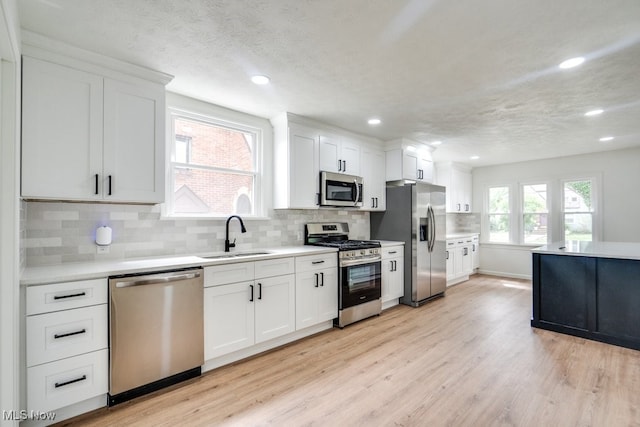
pixel 340 190
pixel 360 283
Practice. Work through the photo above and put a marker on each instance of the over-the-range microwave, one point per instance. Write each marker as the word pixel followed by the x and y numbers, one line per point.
pixel 339 189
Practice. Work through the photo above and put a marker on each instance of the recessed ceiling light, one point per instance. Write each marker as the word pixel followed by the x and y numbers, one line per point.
pixel 606 138
pixel 570 63
pixel 436 143
pixel 374 121
pixel 260 80
pixel 474 157
pixel 594 112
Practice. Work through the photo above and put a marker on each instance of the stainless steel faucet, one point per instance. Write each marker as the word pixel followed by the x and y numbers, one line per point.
pixel 227 244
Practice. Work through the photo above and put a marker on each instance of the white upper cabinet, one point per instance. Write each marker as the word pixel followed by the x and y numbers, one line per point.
pixel 87 137
pixel 374 183
pixel 303 148
pixel 339 154
pixel 62 113
pixel 295 161
pixel 406 160
pixel 134 141
pixel 457 178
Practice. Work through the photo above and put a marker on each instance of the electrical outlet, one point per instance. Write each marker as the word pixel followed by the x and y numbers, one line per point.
pixel 102 249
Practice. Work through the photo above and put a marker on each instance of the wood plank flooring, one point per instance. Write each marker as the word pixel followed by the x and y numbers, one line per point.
pixel 468 359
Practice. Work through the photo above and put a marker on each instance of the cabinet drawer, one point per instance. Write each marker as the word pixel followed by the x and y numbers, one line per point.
pixel 63 296
pixel 229 273
pixel 67 381
pixel 54 336
pixel 392 252
pixel 316 262
pixel 274 267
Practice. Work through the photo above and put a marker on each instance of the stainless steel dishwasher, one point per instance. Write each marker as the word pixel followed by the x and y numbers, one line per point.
pixel 155 331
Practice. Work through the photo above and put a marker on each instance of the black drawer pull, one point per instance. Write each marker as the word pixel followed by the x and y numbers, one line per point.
pixel 82 378
pixel 96 183
pixel 81 294
pixel 82 331
pixel 317 262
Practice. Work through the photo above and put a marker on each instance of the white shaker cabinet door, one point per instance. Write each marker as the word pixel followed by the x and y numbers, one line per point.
pixel 229 318
pixel 133 142
pixel 61 132
pixel 304 176
pixel 328 295
pixel 275 307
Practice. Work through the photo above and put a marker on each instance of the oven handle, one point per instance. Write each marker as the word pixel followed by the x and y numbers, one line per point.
pixel 352 262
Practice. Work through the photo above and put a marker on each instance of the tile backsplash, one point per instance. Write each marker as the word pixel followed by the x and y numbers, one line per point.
pixel 463 223
pixel 56 232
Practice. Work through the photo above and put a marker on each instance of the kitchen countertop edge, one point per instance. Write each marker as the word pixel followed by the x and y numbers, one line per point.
pixel 384 243
pixel 618 250
pixel 68 272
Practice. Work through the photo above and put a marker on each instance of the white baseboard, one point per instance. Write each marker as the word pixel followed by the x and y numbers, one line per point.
pixel 505 274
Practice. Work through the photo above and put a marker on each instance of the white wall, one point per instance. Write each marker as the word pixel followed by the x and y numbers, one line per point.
pixel 619 199
pixel 9 212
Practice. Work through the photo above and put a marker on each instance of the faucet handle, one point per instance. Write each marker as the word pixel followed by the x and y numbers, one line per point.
pixel 232 244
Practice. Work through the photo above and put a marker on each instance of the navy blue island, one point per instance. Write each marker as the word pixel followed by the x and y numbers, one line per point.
pixel 588 289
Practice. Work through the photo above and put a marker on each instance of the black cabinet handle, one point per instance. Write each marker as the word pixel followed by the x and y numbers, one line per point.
pixel 317 262
pixel 317 282
pixel 447 254
pixel 259 290
pixel 82 378
pixel 82 331
pixel 96 183
pixel 109 184
pixel 339 165
pixel 393 252
pixel 321 279
pixel 457 206
pixel 81 294
pixel 344 165
pixel 251 298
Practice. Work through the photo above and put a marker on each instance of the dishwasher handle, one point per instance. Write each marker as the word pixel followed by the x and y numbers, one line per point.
pixel 158 279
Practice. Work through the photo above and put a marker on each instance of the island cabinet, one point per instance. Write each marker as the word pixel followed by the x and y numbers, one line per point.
pixel 592 297
pixel 91 137
pixel 247 303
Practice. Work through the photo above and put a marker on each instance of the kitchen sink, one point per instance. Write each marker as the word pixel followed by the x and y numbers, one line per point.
pixel 236 255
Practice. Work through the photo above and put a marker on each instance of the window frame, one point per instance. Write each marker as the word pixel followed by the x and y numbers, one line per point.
pixel 555 207
pixel 210 118
pixel 487 222
pixel 522 212
pixel 595 207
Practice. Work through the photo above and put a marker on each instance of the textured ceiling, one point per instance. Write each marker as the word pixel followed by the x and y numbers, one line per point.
pixel 481 76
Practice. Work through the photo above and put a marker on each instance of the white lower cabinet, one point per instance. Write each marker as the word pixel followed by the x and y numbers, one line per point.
pixel 392 274
pixel 66 330
pixel 460 259
pixel 239 315
pixel 67 381
pixel 316 289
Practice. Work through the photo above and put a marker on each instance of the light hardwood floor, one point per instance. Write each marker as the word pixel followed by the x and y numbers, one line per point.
pixel 468 359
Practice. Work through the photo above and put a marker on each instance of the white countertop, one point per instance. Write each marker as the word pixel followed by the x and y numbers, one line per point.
pixel 622 250
pixel 93 270
pixel 384 243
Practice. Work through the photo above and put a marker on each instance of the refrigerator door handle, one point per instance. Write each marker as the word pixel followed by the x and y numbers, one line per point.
pixel 432 228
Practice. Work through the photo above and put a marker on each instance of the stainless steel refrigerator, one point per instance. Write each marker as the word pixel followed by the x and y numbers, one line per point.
pixel 416 215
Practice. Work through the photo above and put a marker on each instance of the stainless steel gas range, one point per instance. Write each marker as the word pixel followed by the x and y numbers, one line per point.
pixel 359 271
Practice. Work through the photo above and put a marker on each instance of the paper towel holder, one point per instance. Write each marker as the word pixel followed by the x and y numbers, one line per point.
pixel 103 236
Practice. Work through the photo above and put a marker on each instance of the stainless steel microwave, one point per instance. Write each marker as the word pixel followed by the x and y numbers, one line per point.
pixel 338 189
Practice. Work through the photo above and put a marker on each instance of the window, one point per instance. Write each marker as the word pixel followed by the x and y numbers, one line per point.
pixel 578 210
pixel 499 214
pixel 534 214
pixel 214 167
